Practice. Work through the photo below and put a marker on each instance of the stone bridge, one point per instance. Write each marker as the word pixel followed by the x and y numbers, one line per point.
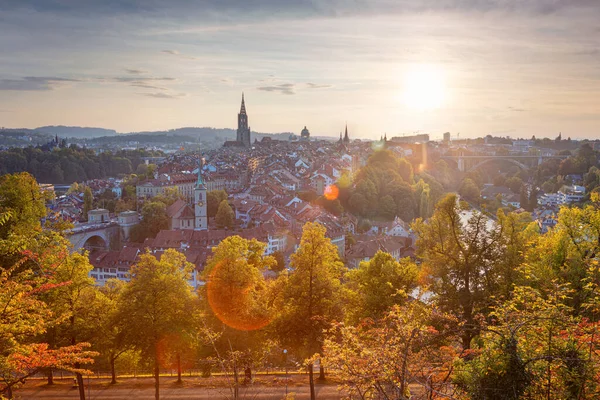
pixel 94 236
pixel 470 163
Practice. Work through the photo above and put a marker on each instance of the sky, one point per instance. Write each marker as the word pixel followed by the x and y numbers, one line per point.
pixel 471 67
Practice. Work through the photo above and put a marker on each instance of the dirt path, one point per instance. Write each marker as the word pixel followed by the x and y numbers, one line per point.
pixel 192 388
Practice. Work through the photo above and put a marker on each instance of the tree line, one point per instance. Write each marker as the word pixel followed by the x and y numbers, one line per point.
pixel 71 164
pixel 387 187
pixel 490 310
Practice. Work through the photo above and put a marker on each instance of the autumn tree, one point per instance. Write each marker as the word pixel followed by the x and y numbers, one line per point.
pixel 30 258
pixel 378 359
pixel 312 297
pixel 376 285
pixel 225 215
pixel 567 254
pixel 532 347
pixel 76 303
pixel 237 300
pixel 24 315
pixel 156 303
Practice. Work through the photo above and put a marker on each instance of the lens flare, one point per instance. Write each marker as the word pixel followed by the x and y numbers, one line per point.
pixel 171 345
pixel 235 305
pixel 331 192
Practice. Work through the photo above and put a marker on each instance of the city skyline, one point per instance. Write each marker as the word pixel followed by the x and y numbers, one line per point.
pixel 496 67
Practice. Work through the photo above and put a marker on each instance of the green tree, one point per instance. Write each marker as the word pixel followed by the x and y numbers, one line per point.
pixel 213 201
pixel 567 254
pixel 515 184
pixel 459 259
pixel 168 197
pixel 154 219
pixel 88 199
pixel 387 207
pixel 22 203
pixel 469 190
pixel 225 215
pixel 532 348
pixel 423 199
pixel 376 285
pixel 110 337
pixel 358 203
pixel 280 261
pixel 312 298
pixel 157 302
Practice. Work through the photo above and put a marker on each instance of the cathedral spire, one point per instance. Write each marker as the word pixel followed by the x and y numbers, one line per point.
pixel 243 108
pixel 346 138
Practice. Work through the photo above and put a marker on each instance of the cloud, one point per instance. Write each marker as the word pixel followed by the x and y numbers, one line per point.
pixel 162 95
pixel 129 79
pixel 284 88
pixel 144 82
pixel 517 109
pixel 135 71
pixel 250 10
pixel 178 54
pixel 317 86
pixel 34 83
pixel 143 85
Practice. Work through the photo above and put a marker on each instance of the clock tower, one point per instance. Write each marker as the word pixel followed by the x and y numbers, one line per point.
pixel 201 223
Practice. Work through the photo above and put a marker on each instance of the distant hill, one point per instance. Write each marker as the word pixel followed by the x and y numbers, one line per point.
pixel 76 131
pixel 201 133
pixel 198 133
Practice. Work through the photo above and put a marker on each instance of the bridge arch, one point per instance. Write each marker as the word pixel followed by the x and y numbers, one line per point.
pixel 95 242
pixel 94 239
pixel 488 160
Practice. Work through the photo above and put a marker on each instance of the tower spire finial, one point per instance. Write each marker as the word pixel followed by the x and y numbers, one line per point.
pixel 243 108
pixel 200 181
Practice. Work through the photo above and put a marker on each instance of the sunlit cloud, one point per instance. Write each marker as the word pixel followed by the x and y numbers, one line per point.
pixel 284 88
pixel 318 86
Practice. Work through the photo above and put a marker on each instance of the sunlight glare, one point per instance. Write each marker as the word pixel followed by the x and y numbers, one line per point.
pixel 424 87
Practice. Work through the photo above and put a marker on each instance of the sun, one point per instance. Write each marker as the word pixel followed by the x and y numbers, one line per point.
pixel 424 87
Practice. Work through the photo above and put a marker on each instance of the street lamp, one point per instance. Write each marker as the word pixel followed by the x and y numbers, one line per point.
pixel 286 372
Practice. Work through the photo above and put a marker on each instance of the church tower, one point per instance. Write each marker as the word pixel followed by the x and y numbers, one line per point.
pixel 201 223
pixel 243 130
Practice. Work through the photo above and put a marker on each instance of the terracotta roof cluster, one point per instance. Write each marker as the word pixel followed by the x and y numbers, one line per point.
pixel 368 248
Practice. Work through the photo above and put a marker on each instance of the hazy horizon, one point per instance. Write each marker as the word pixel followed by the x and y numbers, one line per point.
pixel 491 67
